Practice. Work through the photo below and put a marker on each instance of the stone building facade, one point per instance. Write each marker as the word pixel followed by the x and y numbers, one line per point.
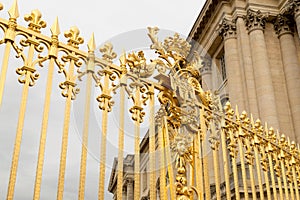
pixel 253 52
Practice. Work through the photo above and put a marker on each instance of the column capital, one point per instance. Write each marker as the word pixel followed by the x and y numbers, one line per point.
pixel 292 7
pixel 129 181
pixel 283 25
pixel 255 20
pixel 227 28
pixel 205 65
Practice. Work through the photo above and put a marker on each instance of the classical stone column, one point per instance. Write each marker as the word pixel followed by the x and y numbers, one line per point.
pixel 255 23
pixel 235 84
pixel 244 48
pixel 283 27
pixel 124 193
pixel 129 189
pixel 206 73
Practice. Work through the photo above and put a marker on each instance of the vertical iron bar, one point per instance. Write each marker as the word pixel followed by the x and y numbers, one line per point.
pixel 41 154
pixel 258 170
pixel 272 175
pixel 169 160
pixel 85 134
pixel 295 182
pixel 121 142
pixel 4 69
pixel 217 173
pixel 162 177
pixel 18 139
pixel 65 135
pixel 226 165
pixel 198 166
pixel 152 145
pixel 103 142
pixel 244 176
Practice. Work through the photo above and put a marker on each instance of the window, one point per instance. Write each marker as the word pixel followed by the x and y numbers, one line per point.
pixel 223 67
pixel 144 179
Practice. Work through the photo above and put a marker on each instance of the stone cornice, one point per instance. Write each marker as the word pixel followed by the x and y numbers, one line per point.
pixel 204 16
pixel 227 29
pixel 255 20
pixel 283 25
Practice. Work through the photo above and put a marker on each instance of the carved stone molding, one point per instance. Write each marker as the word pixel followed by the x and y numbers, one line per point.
pixel 292 8
pixel 283 25
pixel 255 20
pixel 129 181
pixel 227 29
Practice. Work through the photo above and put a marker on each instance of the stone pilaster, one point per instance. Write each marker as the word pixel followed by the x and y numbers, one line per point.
pixel 227 30
pixel 283 27
pixel 255 23
pixel 129 189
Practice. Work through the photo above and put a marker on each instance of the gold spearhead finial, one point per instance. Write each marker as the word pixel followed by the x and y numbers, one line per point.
pixel 92 44
pixel 237 114
pixel 14 10
pixel 55 27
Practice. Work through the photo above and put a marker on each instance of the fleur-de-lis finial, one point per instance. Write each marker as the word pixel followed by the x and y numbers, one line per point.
pixel 14 10
pixel 35 21
pixel 108 53
pixel 74 38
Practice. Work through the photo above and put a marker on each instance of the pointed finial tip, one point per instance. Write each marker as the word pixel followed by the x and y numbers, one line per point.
pixel 14 10
pixel 92 44
pixel 55 27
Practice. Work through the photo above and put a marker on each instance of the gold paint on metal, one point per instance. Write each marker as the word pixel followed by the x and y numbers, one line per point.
pixel 272 155
pixel 69 91
pixel 169 160
pixel 103 142
pixel 162 178
pixel 17 146
pixel 232 147
pixel 198 163
pixel 52 56
pixel 9 38
pixel 152 152
pixel 225 164
pixel 121 141
pixel 90 64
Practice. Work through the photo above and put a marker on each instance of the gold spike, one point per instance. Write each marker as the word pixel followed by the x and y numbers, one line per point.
pixel 237 113
pixel 266 131
pixel 91 44
pixel 288 141
pixel 252 120
pixel 55 27
pixel 14 11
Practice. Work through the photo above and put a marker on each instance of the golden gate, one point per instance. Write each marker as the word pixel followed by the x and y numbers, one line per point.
pixel 249 160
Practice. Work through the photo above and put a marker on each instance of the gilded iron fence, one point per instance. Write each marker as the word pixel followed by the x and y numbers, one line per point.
pixel 191 131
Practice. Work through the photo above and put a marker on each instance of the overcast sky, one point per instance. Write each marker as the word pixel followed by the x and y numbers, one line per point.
pixel 116 21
